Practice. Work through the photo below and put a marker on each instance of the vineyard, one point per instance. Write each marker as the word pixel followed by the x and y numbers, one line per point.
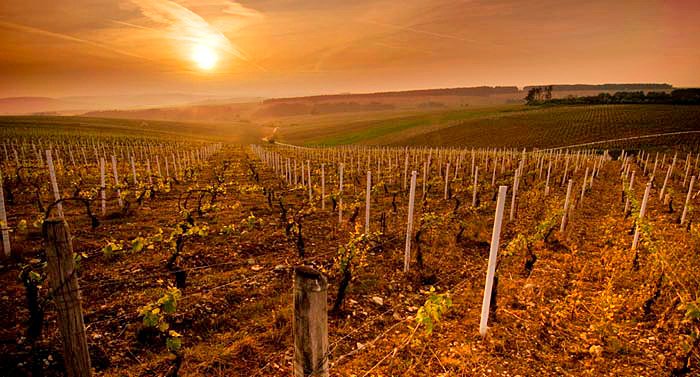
pixel 504 126
pixel 439 261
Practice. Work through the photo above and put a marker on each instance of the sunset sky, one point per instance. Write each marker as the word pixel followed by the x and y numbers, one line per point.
pixel 286 47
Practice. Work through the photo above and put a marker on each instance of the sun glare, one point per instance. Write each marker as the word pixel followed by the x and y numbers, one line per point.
pixel 204 56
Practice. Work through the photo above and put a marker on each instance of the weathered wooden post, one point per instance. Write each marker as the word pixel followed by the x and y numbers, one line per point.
pixel 409 223
pixel 54 183
pixel 66 294
pixel 5 230
pixel 491 269
pixel 310 323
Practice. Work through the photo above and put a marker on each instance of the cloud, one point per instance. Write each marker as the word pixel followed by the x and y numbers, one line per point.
pixel 419 31
pixel 70 38
pixel 180 22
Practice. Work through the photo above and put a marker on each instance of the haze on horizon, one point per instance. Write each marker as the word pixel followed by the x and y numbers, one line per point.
pixel 285 47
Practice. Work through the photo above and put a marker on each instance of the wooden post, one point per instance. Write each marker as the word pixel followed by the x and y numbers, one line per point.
pixel 367 200
pixel 409 223
pixel 54 183
pixel 5 230
pixel 66 294
pixel 685 207
pixel 310 323
pixel 491 270
pixel 565 216
pixel 642 211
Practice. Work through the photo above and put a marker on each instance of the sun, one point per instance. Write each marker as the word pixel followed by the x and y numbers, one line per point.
pixel 204 56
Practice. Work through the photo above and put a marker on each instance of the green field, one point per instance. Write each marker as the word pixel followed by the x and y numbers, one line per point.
pixel 46 126
pixel 502 126
pixel 495 126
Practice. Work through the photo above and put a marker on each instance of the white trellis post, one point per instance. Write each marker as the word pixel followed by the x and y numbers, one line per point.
pixel 642 212
pixel 685 207
pixel 150 174
pixel 409 223
pixel 102 185
pixel 549 172
pixel 323 186
pixel 425 177
pixel 133 169
pixel 116 181
pixel 340 196
pixel 54 183
pixel 447 178
pixel 565 216
pixel 513 203
pixel 583 186
pixel 3 222
pixel 308 180
pixel 367 200
pixel 405 171
pixel 476 174
pixel 629 188
pixel 663 188
pixel 493 253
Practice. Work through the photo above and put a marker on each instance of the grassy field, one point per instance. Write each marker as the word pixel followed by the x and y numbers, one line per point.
pixel 494 126
pixel 241 132
pixel 501 126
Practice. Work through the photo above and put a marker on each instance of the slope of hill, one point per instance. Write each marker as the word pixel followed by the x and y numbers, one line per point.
pixel 27 105
pixel 231 112
pixel 238 132
pixel 399 101
pixel 502 126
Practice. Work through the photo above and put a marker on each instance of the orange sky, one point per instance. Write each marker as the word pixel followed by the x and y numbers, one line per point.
pixel 288 47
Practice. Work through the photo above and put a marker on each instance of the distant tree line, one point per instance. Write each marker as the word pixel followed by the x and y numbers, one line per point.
pixel 606 87
pixel 543 96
